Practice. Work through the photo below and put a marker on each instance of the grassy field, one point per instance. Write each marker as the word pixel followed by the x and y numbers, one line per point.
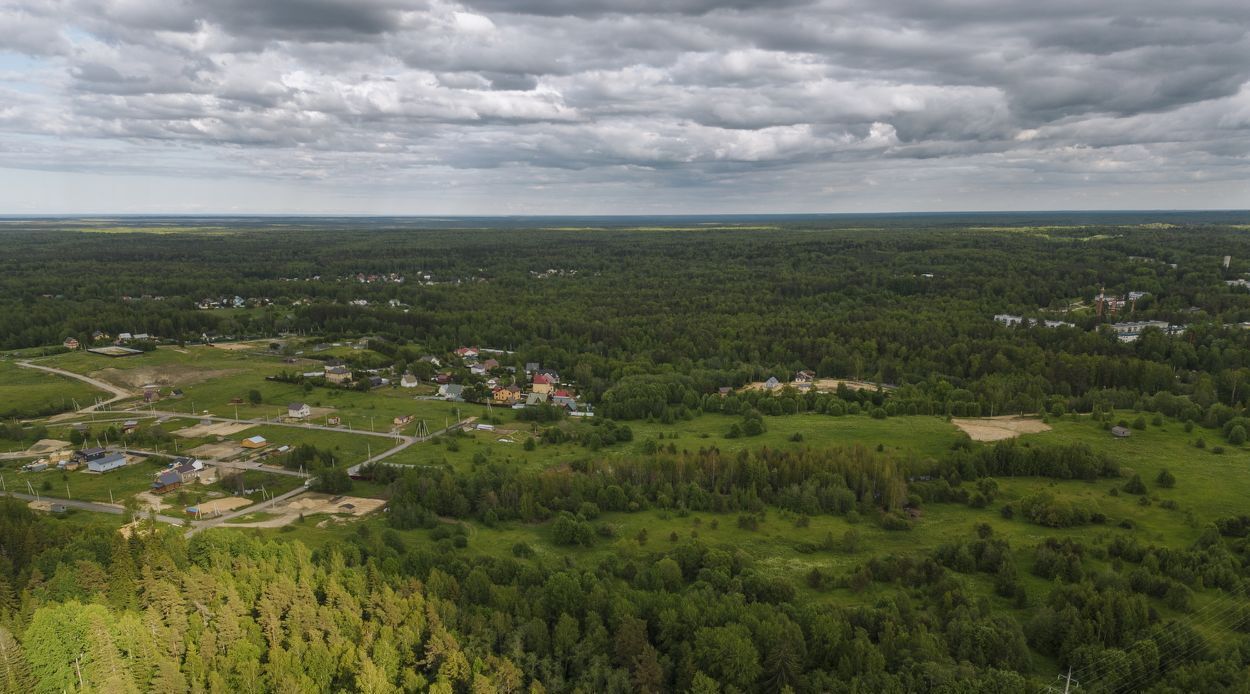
pixel 85 486
pixel 211 378
pixel 29 392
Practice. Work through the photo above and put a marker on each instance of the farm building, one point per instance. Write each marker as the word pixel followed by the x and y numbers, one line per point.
pixel 298 410
pixel 112 461
pixel 254 442
pixel 1121 432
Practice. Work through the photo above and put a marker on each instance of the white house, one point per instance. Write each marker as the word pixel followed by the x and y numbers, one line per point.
pixel 409 381
pixel 298 410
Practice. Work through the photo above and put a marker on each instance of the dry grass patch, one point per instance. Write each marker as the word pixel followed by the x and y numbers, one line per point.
pixel 1000 428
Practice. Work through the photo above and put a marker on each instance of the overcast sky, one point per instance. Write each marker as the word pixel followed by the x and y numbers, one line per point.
pixel 622 106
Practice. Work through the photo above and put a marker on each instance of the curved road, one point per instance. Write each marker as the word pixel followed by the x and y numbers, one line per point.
pixel 118 392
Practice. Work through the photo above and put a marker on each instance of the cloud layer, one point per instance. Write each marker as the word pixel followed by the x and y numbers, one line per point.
pixel 602 106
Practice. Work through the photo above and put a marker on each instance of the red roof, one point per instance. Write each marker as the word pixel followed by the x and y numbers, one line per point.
pixel 542 378
pixel 563 394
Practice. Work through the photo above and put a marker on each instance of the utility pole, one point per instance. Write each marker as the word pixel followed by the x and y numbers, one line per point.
pixel 1068 683
pixel 67 495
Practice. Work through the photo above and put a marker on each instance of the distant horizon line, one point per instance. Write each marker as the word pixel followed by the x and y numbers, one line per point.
pixel 363 215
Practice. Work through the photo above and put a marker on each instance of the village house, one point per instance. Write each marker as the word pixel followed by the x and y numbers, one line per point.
pixel 298 410
pixel 467 352
pixel 151 393
pixel 506 396
pixel 542 383
pixel 451 391
pixel 402 420
pixel 804 377
pixel 166 481
pixel 531 367
pixel 432 360
pixel 536 399
pixel 70 343
pixel 772 383
pixel 478 369
pixel 254 442
pixel 408 380
pixel 491 364
pixel 338 374
pixel 724 390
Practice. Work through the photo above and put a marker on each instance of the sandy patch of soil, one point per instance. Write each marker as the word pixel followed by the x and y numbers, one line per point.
pixel 310 504
pixel 217 451
pixel 821 385
pixel 164 375
pixel 222 505
pixel 213 429
pixel 149 500
pixel 1000 428
pixel 831 384
pixel 244 346
pixel 47 446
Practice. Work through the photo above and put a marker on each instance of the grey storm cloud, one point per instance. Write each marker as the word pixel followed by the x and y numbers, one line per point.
pixel 613 105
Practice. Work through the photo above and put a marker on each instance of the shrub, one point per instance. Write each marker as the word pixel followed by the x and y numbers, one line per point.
pixel 1165 479
pixel 1135 485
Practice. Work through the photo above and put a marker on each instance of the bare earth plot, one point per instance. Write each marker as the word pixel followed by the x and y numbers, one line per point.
pixel 163 374
pixel 1000 428
pixel 213 429
pixel 217 451
pixel 47 446
pixel 223 505
pixel 822 385
pixel 309 504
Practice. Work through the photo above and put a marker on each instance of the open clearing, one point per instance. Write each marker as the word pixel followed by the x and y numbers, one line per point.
pixel 822 385
pixel 314 504
pixel 999 428
pixel 47 446
pixel 244 346
pixel 223 505
pixel 217 451
pixel 162 375
pixel 212 429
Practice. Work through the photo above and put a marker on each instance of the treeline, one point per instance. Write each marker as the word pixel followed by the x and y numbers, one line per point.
pixel 833 481
pixel 908 307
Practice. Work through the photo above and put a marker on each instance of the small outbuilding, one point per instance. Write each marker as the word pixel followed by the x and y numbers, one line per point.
pixel 1121 432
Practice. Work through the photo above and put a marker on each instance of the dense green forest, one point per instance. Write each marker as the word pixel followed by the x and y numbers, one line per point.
pixel 634 563
pixel 648 321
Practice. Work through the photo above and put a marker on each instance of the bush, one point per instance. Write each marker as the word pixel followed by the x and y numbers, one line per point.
pixel 1237 435
pixel 1135 485
pixel 1139 423
pixel 1165 479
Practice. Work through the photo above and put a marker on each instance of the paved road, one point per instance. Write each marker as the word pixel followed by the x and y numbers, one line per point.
pixel 118 392
pixel 114 509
